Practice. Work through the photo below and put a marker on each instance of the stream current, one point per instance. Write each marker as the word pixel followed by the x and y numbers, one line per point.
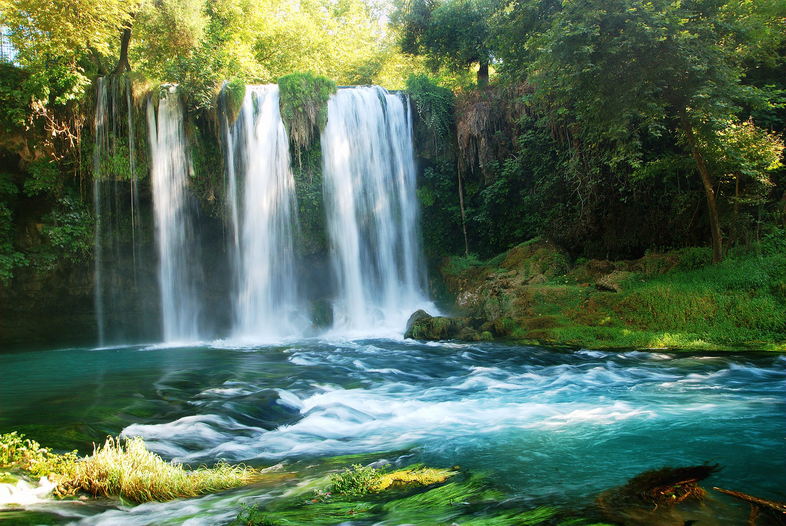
pixel 547 427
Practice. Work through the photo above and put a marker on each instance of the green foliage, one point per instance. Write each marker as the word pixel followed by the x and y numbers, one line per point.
pixel 459 264
pixel 693 258
pixel 303 100
pixel 10 258
pixel 455 33
pixel 14 98
pixel 43 179
pixel 69 229
pixel 19 452
pixel 674 300
pixel 206 176
pixel 235 92
pixel 355 481
pixel 434 105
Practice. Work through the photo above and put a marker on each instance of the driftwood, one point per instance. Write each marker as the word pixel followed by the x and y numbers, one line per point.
pixel 776 509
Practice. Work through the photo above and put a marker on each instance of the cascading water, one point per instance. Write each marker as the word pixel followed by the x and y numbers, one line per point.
pixel 179 269
pixel 260 189
pixel 369 185
pixel 99 130
pixel 119 230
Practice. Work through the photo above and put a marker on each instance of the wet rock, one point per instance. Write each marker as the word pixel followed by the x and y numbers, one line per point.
pixel 322 314
pixel 422 326
pixel 468 334
pixel 418 316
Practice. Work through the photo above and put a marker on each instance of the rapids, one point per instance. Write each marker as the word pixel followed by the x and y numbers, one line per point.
pixel 548 427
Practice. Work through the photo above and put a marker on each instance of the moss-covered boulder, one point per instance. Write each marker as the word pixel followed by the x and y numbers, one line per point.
pixel 423 326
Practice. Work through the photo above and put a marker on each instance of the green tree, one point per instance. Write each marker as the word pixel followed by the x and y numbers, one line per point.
pixel 454 33
pixel 614 72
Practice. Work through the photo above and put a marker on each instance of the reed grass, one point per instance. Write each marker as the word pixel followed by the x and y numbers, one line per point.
pixel 122 468
pixel 129 470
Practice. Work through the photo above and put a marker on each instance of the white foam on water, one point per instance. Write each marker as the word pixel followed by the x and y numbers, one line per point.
pixel 25 493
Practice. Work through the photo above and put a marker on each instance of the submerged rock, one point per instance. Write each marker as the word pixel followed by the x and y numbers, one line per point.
pixel 649 497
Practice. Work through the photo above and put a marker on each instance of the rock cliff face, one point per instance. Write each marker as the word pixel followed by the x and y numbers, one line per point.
pixel 48 308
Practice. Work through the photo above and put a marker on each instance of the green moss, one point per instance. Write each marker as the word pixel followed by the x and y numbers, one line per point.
pixel 358 481
pixel 234 92
pixel 526 518
pixel 315 513
pixel 206 164
pixel 311 235
pixel 674 300
pixel 303 100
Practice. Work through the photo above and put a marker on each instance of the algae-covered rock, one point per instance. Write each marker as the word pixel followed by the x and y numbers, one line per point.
pixel 422 326
pixel 417 317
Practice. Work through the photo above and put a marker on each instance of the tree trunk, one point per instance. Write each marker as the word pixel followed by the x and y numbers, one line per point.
pixel 783 209
pixel 122 63
pixel 483 74
pixel 709 190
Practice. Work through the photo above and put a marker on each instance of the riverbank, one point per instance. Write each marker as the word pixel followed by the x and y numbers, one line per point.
pixel 671 300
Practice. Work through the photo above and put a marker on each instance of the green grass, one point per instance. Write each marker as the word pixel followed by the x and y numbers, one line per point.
pixel 676 300
pixel 120 468
pixel 303 100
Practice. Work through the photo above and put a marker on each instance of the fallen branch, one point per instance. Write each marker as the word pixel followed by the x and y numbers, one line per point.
pixel 769 504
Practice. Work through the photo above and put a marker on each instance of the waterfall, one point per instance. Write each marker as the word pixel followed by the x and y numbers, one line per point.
pixel 100 145
pixel 179 268
pixel 119 232
pixel 369 187
pixel 261 201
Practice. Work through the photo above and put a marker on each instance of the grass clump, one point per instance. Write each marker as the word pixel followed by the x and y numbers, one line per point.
pixel 358 480
pixel 18 452
pixel 355 481
pixel 412 477
pixel 119 468
pixel 129 470
pixel 303 101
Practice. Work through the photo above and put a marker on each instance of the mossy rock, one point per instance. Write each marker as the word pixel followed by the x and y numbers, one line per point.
pixel 422 326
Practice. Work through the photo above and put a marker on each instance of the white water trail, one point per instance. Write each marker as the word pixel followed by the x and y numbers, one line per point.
pixel 100 145
pixel 179 267
pixel 372 213
pixel 261 195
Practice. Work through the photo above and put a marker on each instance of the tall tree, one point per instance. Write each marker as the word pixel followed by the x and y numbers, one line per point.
pixel 454 33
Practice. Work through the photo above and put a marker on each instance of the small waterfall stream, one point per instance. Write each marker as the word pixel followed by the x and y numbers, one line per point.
pixel 118 235
pixel 179 267
pixel 369 185
pixel 261 202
